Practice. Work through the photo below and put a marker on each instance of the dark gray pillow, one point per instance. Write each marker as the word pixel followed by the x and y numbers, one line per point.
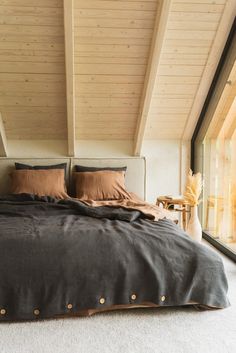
pixel 21 166
pixel 81 168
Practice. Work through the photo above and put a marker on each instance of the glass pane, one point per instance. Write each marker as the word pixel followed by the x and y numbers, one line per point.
pixel 219 168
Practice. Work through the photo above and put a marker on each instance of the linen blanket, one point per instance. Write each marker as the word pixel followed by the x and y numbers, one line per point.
pixel 63 257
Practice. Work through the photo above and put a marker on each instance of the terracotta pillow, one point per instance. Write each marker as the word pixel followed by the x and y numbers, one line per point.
pixel 20 166
pixel 39 182
pixel 101 185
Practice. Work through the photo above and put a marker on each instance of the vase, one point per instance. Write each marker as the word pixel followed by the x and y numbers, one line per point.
pixel 194 228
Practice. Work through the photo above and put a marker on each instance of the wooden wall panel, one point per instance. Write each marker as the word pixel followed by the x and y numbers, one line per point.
pixel 32 69
pixel 191 30
pixel 112 43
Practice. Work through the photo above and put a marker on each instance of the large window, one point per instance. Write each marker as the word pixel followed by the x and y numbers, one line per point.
pixel 214 146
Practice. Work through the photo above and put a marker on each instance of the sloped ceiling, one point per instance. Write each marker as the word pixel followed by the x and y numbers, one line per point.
pixel 112 47
pixel 32 69
pixel 190 33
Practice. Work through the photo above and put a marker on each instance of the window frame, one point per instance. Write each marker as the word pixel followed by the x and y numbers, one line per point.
pixel 217 85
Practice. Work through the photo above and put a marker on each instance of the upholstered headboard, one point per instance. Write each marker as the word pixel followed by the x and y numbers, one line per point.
pixel 135 175
pixel 8 164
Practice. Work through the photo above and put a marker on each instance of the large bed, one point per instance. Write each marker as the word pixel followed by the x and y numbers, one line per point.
pixel 68 257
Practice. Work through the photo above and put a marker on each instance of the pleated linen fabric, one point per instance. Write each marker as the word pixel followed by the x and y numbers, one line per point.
pixel 101 185
pixel 39 182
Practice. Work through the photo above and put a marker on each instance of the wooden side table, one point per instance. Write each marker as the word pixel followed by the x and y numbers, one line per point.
pixel 176 205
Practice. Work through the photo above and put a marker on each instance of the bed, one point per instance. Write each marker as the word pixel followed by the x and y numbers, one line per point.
pixel 67 257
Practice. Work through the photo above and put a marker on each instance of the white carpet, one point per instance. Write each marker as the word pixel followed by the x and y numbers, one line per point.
pixel 176 330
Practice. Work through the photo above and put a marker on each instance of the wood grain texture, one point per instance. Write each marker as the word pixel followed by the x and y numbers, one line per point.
pixel 225 23
pixel 112 45
pixel 70 69
pixel 108 49
pixel 190 34
pixel 32 69
pixel 152 69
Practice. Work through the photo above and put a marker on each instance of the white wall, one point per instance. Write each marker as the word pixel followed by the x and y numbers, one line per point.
pixel 103 149
pixel 58 148
pixel 36 148
pixel 167 160
pixel 163 168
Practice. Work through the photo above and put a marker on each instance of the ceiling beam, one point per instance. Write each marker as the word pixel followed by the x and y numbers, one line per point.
pixel 3 139
pixel 70 84
pixel 151 73
pixel 213 59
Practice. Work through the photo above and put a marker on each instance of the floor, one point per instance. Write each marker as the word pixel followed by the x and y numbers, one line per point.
pixel 173 330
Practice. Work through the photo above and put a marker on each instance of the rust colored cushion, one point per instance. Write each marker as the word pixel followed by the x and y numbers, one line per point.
pixel 101 185
pixel 39 182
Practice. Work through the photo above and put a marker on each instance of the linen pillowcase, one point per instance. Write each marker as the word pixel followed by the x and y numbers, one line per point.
pixel 20 166
pixel 49 182
pixel 81 168
pixel 101 185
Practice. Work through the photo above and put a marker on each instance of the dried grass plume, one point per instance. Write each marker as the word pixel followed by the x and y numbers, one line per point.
pixel 193 188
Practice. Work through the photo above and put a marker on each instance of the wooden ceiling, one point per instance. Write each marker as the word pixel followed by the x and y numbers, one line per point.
pixel 189 37
pixel 32 69
pixel 112 44
pixel 108 69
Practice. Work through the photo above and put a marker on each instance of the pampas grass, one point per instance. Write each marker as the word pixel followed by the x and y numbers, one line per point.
pixel 193 188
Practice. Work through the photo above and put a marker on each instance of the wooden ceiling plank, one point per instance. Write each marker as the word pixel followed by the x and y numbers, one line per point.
pixel 3 139
pixel 151 72
pixel 210 68
pixel 70 84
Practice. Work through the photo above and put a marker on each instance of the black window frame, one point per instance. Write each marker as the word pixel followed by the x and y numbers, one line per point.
pixel 231 37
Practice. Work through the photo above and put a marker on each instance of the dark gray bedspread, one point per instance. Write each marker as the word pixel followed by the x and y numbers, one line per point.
pixel 55 253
